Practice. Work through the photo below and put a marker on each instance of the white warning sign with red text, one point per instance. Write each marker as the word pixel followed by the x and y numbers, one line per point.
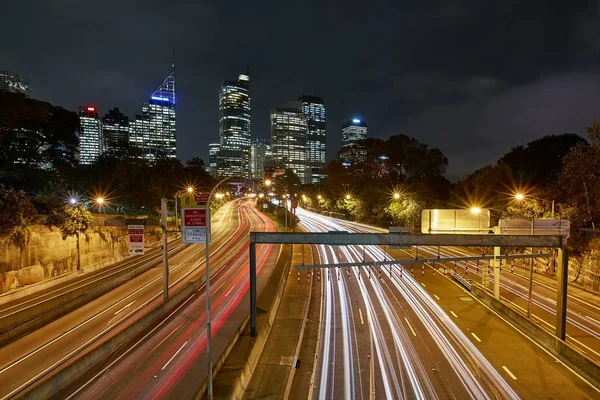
pixel 135 235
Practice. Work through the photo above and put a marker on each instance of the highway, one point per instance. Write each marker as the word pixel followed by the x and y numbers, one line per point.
pixel 388 334
pixel 583 309
pixel 169 360
pixel 28 359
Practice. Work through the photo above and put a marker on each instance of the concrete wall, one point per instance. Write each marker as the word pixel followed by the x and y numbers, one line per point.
pixel 585 272
pixel 50 255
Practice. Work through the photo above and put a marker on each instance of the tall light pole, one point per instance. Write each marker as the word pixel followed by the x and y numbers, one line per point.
pixel 519 197
pixel 209 385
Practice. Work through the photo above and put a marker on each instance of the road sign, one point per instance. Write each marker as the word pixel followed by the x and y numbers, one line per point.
pixel 194 235
pixel 542 227
pixel 194 217
pixel 455 221
pixel 136 239
pixel 194 199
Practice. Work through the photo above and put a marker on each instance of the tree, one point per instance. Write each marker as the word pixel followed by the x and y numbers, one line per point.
pixel 16 214
pixel 594 132
pixel 72 220
pixel 539 162
pixel 35 133
pixel 580 182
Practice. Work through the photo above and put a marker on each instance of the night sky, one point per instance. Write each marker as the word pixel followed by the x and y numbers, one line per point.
pixel 473 78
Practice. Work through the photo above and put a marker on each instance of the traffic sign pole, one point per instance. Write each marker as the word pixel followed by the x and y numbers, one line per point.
pixel 163 210
pixel 208 317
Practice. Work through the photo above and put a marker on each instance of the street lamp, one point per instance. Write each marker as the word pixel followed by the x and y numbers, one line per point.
pixel 396 195
pixel 475 210
pixel 521 196
pixel 348 197
pixel 267 182
pixel 100 201
pixel 319 197
pixel 73 201
pixel 190 189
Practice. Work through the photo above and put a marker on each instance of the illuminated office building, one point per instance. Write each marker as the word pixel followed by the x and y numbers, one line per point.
pixel 153 129
pixel 353 151
pixel 289 133
pixel 14 83
pixel 353 130
pixel 90 135
pixel 115 130
pixel 260 151
pixel 213 157
pixel 234 128
pixel 314 109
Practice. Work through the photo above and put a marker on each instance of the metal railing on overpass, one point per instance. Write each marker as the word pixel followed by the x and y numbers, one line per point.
pixel 406 239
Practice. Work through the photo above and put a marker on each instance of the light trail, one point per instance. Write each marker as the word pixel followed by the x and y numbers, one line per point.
pixel 478 377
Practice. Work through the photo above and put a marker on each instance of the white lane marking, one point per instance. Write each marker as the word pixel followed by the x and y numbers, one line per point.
pixel 509 373
pixel 171 359
pixel 124 307
pixel 410 326
pixel 436 296
pixel 475 336
pixel 452 312
pixel 361 318
pixel 593 319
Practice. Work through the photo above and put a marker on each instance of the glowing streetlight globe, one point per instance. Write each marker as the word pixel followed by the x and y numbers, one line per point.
pixel 475 210
pixel 268 182
pixel 100 200
pixel 519 196
pixel 190 189
pixel 347 197
pixel 396 196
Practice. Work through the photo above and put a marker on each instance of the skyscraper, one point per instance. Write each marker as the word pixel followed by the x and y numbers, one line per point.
pixel 314 109
pixel 260 151
pixel 15 83
pixel 289 133
pixel 353 130
pixel 234 128
pixel 115 129
pixel 153 129
pixel 213 157
pixel 352 151
pixel 90 135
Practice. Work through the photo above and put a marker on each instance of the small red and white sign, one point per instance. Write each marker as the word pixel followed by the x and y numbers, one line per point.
pixel 136 239
pixel 194 217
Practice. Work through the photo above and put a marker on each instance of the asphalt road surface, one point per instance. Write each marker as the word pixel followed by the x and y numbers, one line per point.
pixel 169 360
pixel 388 334
pixel 28 359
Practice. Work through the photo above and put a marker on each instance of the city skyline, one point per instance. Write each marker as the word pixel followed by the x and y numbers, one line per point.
pixel 416 86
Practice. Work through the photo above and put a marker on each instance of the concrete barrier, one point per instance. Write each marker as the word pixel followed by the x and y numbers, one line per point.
pixel 562 350
pixel 27 320
pixel 268 304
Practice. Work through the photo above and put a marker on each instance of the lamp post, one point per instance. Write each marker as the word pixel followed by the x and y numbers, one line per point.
pixel 209 386
pixel 73 202
pixel 519 197
pixel 100 201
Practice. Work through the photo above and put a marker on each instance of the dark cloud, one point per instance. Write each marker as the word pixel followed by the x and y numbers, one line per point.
pixel 473 79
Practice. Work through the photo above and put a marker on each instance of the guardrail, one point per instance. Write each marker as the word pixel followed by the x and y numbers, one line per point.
pixel 467 283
